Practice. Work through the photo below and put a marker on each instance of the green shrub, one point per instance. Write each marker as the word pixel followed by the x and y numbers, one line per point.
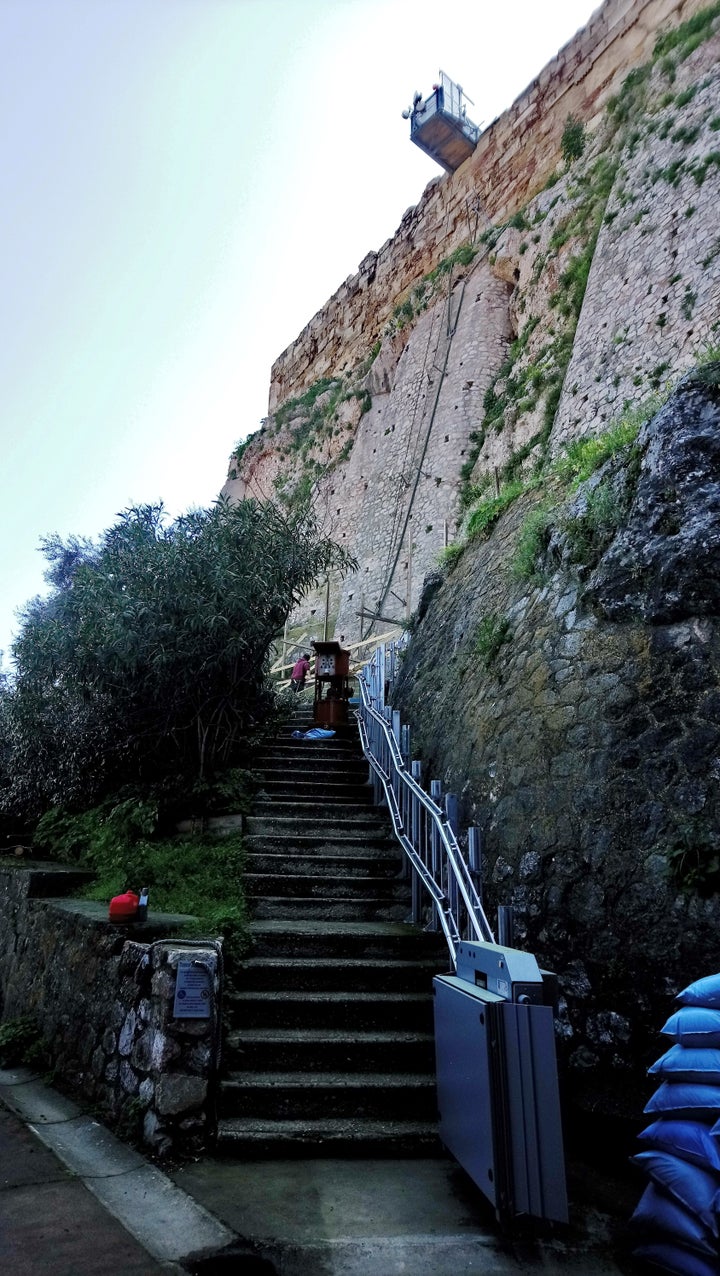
pixel 583 456
pixel 573 139
pixel 482 517
pixel 450 556
pixel 532 544
pixel 195 874
pixel 689 35
pixel 492 633
pixel 590 532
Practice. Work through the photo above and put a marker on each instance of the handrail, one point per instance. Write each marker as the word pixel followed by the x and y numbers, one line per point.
pixel 421 826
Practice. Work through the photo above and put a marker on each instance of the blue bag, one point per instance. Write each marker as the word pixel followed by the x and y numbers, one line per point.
pixel 694 1026
pixel 690 1140
pixel 657 1212
pixel 677 1259
pixel 704 992
pixel 688 1063
pixel 692 1102
pixel 695 1189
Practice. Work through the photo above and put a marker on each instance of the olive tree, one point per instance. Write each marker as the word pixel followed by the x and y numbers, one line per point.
pixel 149 654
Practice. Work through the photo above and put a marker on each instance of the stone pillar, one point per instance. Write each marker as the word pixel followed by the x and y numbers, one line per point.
pixel 167 1060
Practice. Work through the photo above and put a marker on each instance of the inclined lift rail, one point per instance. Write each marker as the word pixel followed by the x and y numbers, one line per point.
pixel 497 1085
pixel 422 827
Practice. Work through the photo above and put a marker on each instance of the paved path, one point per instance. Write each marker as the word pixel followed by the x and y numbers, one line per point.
pixel 75 1201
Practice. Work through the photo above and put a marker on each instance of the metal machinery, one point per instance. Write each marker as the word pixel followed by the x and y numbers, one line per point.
pixel 497 1079
pixel 332 684
pixel 439 125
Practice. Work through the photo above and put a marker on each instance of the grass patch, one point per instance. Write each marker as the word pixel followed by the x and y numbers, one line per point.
pixel 119 840
pixel 492 634
pixel 450 556
pixel 683 40
pixel 488 510
pixel 532 544
pixel 590 532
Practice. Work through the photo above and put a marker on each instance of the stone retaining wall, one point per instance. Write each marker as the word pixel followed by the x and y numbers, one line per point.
pixel 103 998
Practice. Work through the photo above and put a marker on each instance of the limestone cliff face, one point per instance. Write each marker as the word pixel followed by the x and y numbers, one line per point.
pixel 527 333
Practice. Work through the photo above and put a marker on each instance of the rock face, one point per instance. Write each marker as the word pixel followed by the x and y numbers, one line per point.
pixel 663 567
pixel 588 747
pixel 510 329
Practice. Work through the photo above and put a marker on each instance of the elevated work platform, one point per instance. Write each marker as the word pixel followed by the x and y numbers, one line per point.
pixel 440 127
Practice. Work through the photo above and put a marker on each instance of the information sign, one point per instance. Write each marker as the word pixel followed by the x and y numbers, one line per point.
pixel 193 991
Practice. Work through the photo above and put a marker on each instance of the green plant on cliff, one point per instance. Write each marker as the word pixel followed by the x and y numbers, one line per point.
pixel 482 516
pixel 532 544
pixel 684 39
pixel 492 633
pixel 589 532
pixel 573 139
pixel 583 456
pixel 693 854
pixel 450 556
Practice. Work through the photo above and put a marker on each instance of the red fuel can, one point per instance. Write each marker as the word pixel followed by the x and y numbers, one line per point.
pixel 124 908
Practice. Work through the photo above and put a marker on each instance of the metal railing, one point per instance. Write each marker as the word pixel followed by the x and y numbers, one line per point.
pixel 446 889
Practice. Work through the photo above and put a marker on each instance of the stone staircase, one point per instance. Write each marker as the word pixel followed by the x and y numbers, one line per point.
pixel 330 1047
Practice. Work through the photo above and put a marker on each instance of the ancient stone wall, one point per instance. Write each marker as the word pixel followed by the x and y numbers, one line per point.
pixel 535 357
pixel 513 159
pixel 585 742
pixel 102 997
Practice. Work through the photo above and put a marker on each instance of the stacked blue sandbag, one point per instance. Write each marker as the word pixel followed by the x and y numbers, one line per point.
pixel 679 1212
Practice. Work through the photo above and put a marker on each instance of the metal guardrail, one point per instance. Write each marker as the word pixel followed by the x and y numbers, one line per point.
pixel 422 822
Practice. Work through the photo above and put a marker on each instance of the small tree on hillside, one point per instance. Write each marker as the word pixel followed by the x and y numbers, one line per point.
pixel 149 656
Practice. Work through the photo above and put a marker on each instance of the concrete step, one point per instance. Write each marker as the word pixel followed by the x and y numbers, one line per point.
pixel 336 974
pixel 342 768
pixel 321 908
pixel 321 1049
pixel 247 1137
pixel 318 791
pixel 302 753
pixel 361 1011
pixel 311 938
pixel 385 863
pixel 295 1096
pixel 287 844
pixel 289 817
pixel 322 886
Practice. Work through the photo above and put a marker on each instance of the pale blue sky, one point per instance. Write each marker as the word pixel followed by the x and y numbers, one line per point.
pixel 185 182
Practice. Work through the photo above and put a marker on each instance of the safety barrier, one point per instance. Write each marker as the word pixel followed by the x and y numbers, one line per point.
pixel 424 824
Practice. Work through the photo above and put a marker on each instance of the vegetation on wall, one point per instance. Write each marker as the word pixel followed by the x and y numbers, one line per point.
pixel 305 427
pixel 127 842
pixel 572 143
pixel 529 384
pixel 425 291
pixel 555 482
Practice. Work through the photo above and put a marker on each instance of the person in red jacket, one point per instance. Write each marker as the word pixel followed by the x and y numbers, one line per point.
pixel 300 671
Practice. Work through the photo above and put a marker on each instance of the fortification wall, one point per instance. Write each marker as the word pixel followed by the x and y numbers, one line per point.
pixel 513 159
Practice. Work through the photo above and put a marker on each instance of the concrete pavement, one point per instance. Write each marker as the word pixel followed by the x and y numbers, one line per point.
pixel 75 1201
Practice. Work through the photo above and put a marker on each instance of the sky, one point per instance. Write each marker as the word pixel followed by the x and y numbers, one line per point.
pixel 186 182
